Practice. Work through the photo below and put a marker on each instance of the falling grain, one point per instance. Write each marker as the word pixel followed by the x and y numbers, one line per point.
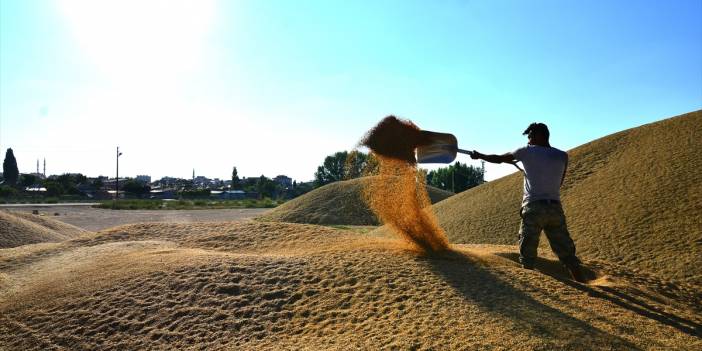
pixel 398 194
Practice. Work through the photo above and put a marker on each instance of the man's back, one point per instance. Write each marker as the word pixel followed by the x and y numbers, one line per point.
pixel 543 171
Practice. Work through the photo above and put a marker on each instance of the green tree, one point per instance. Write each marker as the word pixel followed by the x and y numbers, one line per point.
pixel 70 182
pixel 371 166
pixel 457 177
pixel 344 165
pixel 97 183
pixel 236 183
pixel 7 191
pixel 53 188
pixel 9 168
pixel 133 187
pixel 27 180
pixel 266 187
pixel 195 193
pixel 299 189
pixel 249 184
pixel 359 164
pixel 332 169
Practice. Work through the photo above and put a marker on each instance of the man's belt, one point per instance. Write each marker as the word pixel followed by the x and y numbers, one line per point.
pixel 545 201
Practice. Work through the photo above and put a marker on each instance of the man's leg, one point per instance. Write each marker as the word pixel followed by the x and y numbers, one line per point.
pixel 529 233
pixel 561 243
pixel 558 236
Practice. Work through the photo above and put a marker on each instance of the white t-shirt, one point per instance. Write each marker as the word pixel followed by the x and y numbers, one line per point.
pixel 543 170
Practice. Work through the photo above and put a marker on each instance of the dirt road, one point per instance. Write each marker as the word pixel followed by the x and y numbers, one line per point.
pixel 95 219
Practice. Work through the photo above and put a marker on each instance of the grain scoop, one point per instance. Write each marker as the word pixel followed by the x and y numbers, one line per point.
pixel 440 148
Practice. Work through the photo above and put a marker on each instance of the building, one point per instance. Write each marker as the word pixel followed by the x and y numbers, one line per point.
pixel 166 182
pixel 162 194
pixel 144 179
pixel 110 184
pixel 201 182
pixel 232 195
pixel 284 181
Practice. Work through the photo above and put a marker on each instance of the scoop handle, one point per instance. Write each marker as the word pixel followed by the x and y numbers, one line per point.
pixel 512 163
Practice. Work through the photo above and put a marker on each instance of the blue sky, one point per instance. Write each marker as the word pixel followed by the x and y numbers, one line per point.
pixel 272 87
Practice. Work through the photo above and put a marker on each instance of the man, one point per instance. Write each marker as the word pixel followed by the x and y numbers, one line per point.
pixel 544 172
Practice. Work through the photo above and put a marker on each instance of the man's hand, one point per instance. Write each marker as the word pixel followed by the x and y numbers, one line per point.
pixel 475 155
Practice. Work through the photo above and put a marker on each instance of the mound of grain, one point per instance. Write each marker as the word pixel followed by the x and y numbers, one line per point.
pixel 632 198
pixel 336 203
pixel 249 236
pixel 240 286
pixel 19 228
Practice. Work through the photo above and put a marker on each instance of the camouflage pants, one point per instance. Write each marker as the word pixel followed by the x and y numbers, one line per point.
pixel 549 217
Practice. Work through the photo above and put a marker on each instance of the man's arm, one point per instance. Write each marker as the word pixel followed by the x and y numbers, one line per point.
pixel 504 158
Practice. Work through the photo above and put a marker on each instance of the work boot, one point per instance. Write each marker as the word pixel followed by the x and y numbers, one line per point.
pixel 526 263
pixel 577 272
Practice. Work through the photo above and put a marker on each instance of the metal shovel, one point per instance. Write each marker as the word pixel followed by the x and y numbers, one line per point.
pixel 438 148
pixel 441 148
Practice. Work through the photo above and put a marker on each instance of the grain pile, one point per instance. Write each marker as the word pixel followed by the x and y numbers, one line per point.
pixel 271 286
pixel 255 285
pixel 19 228
pixel 632 198
pixel 338 203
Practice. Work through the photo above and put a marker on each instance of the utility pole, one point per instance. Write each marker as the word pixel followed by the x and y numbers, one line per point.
pixel 117 178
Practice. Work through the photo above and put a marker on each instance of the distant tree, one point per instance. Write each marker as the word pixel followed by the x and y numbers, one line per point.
pixel 136 188
pixel 79 178
pixel 70 182
pixel 97 183
pixel 344 165
pixel 7 191
pixel 371 166
pixel 236 183
pixel 332 169
pixel 354 164
pixel 249 184
pixel 194 193
pixel 9 168
pixel 300 189
pixel 359 164
pixel 53 188
pixel 27 180
pixel 266 187
pixel 457 177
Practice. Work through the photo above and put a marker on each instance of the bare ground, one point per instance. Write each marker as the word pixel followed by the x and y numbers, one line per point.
pixel 96 219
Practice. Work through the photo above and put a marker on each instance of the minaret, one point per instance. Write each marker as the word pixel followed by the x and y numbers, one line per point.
pixel 37 166
pixel 193 173
pixel 45 167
